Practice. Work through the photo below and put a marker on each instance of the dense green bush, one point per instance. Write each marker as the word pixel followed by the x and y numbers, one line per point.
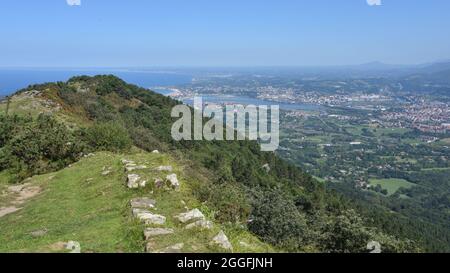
pixel 276 219
pixel 230 203
pixel 108 137
pixel 347 233
pixel 36 146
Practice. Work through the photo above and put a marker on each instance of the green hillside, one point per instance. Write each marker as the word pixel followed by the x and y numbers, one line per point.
pixel 68 142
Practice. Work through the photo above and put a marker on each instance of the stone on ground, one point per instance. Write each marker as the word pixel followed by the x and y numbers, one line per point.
pixel 143 203
pixel 149 218
pixel 173 180
pixel 130 168
pixel 164 169
pixel 127 162
pixel 74 247
pixel 153 232
pixel 222 240
pixel 39 233
pixel 200 224
pixel 134 181
pixel 192 215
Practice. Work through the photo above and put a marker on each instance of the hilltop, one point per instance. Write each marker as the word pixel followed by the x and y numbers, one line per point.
pixel 98 156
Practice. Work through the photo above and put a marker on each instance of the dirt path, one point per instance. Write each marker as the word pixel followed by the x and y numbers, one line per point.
pixel 18 194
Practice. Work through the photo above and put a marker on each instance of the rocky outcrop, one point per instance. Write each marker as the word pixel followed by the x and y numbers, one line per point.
pixel 173 181
pixel 148 217
pixel 134 181
pixel 189 216
pixel 222 240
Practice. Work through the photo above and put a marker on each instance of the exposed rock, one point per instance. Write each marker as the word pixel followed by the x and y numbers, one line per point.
pixel 132 167
pixel 39 233
pixel 164 169
pixel 105 173
pixel 153 232
pixel 222 240
pixel 143 203
pixel 159 183
pixel 173 180
pixel 127 162
pixel 133 181
pixel 200 224
pixel 74 247
pixel 89 155
pixel 155 152
pixel 192 215
pixel 148 217
pixel 266 167
pixel 171 249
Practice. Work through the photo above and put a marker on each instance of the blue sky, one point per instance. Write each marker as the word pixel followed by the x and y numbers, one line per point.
pixel 222 32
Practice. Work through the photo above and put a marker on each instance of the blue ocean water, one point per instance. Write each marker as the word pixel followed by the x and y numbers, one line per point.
pixel 12 80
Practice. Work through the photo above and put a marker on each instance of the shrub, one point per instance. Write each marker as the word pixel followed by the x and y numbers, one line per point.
pixel 276 220
pixel 108 136
pixel 231 203
pixel 37 146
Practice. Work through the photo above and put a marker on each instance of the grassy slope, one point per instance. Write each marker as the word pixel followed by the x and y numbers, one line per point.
pixel 96 213
pixel 23 105
pixel 392 185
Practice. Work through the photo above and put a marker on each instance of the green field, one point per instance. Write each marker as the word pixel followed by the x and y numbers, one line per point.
pixel 392 184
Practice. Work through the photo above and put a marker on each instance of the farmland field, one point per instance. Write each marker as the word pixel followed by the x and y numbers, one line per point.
pixel 391 185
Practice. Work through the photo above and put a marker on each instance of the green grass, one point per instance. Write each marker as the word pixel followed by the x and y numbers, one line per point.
pixel 96 212
pixel 27 106
pixel 71 208
pixel 392 185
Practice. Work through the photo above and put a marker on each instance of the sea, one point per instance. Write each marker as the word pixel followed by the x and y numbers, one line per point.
pixel 12 80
